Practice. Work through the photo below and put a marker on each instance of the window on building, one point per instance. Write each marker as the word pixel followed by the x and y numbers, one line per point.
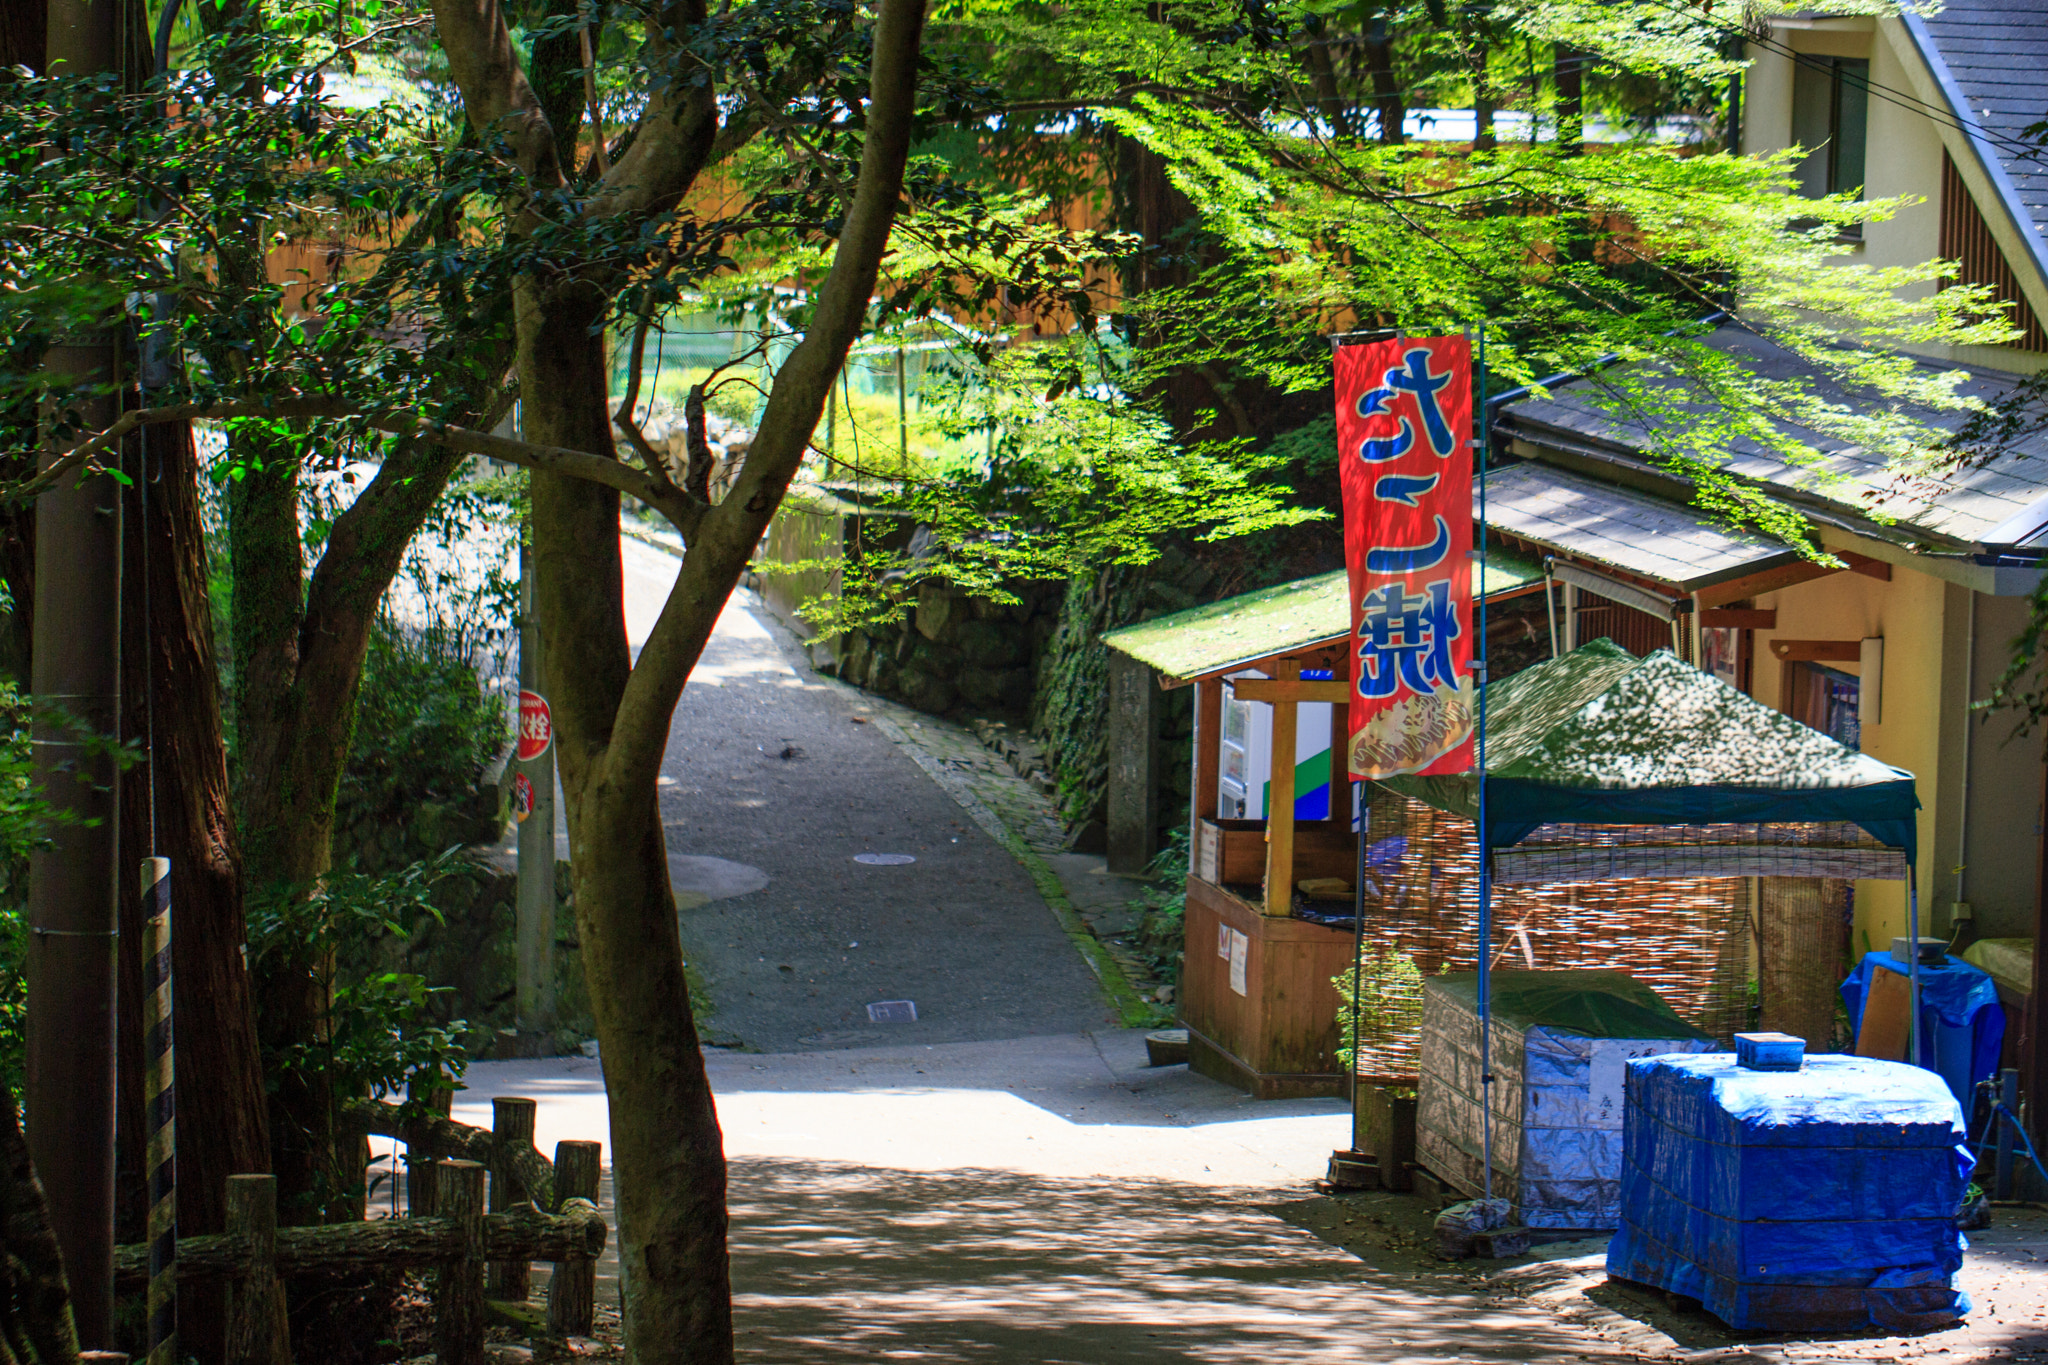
pixel 1831 119
pixel 1825 698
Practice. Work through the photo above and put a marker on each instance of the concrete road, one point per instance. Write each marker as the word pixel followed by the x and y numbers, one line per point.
pixel 773 790
pixel 1045 1199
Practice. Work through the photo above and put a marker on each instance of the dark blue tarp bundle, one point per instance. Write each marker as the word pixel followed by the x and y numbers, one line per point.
pixel 1822 1199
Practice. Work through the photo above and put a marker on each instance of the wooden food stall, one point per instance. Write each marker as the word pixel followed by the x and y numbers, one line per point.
pixel 1271 808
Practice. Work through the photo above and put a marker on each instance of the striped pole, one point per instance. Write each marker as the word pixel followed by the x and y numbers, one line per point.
pixel 161 1107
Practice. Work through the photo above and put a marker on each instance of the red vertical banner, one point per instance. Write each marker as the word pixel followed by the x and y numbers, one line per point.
pixel 1404 427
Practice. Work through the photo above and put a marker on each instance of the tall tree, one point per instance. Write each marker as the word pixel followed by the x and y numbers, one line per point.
pixel 176 802
pixel 611 711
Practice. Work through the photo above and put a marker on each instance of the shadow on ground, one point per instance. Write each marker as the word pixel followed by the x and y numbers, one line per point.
pixel 838 1262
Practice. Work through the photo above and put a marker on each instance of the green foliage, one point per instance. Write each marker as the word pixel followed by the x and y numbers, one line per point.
pixel 1312 448
pixel 20 812
pixel 425 729
pixel 381 1032
pixel 1163 908
pixel 1386 991
pixel 1071 708
pixel 1072 475
pixel 1312 214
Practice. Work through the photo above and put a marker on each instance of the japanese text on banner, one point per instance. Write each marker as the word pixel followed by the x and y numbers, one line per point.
pixel 1404 416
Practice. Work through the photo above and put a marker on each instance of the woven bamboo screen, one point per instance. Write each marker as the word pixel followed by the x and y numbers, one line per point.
pixel 1686 938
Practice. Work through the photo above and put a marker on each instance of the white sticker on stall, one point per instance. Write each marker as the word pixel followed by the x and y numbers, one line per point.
pixel 1606 1075
pixel 1607 1082
pixel 1240 952
pixel 1223 933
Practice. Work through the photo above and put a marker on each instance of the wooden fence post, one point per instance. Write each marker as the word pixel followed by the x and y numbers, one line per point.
pixel 253 1316
pixel 439 1097
pixel 459 1294
pixel 512 1120
pixel 572 1289
pixel 419 1185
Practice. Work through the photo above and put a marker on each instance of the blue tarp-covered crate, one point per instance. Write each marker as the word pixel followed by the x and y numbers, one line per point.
pixel 1822 1199
pixel 1560 1040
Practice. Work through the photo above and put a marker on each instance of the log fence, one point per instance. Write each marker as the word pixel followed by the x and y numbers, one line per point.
pixel 476 1254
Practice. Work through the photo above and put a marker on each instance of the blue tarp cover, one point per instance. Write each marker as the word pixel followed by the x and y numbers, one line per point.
pixel 1822 1199
pixel 1962 1025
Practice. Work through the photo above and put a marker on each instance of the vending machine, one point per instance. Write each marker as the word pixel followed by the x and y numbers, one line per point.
pixel 1245 756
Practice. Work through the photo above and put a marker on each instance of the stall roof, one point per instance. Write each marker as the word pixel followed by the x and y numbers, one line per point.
pixel 1598 736
pixel 1635 532
pixel 1277 620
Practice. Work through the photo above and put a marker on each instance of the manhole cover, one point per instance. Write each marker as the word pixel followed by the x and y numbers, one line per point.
pixel 893 1012
pixel 884 860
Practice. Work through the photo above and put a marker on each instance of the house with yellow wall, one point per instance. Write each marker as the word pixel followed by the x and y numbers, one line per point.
pixel 1891 642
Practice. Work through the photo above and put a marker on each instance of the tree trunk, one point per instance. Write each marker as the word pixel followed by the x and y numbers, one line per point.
pixel 1568 77
pixel 612 712
pixel 298 661
pixel 24 33
pixel 1377 49
pixel 284 824
pixel 668 1154
pixel 37 1324
pixel 168 654
pixel 1154 209
pixel 1482 99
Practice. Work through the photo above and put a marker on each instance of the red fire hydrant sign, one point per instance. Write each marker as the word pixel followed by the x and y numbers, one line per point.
pixel 536 726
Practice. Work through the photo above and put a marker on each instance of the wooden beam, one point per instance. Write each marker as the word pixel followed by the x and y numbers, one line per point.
pixel 1818 651
pixel 1764 580
pixel 1332 654
pixel 1340 771
pixel 1337 691
pixel 1280 800
pixel 1865 565
pixel 1741 618
pixel 1208 753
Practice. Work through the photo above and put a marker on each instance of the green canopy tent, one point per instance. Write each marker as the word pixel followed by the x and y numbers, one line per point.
pixel 1599 737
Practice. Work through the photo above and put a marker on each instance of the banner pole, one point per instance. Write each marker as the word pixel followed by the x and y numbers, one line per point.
pixel 1485 979
pixel 1919 1058
pixel 1358 965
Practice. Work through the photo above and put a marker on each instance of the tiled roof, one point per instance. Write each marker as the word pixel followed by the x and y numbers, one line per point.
pixel 1997 53
pixel 1622 528
pixel 2000 502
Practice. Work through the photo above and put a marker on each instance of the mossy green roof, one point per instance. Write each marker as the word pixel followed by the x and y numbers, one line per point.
pixel 1256 625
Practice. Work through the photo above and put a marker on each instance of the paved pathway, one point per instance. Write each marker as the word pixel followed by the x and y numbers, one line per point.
pixel 777 783
pixel 1046 1199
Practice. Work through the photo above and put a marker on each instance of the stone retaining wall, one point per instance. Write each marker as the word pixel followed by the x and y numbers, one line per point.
pixel 956 654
